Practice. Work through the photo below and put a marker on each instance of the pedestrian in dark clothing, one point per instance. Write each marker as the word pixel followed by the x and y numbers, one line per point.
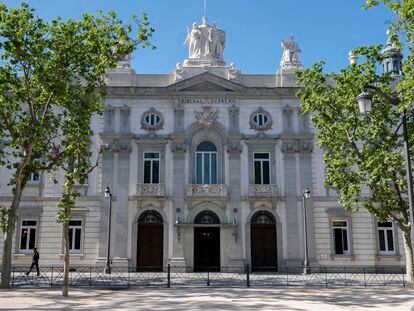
pixel 35 262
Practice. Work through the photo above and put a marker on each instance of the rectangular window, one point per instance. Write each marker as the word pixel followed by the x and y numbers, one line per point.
pixel 75 236
pixel 28 235
pixel 199 168
pixel 386 238
pixel 341 237
pixel 206 168
pixel 261 168
pixel 34 177
pixel 151 167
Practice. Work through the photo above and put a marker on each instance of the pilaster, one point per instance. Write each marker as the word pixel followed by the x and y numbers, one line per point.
pixel 178 149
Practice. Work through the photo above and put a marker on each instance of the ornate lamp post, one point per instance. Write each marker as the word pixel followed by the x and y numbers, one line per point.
pixel 108 195
pixel 365 103
pixel 305 195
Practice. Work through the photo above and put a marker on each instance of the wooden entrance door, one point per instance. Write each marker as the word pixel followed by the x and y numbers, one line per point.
pixel 150 247
pixel 263 247
pixel 206 249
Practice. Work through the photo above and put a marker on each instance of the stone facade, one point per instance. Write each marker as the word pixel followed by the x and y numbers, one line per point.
pixel 203 147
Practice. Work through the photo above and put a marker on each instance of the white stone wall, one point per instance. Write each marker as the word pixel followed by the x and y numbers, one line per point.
pixel 288 211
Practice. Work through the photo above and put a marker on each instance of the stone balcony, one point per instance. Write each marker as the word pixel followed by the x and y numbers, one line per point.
pixel 263 191
pixel 151 190
pixel 209 190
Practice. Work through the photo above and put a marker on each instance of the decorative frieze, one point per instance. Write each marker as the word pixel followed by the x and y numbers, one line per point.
pixel 297 148
pixel 269 190
pixel 116 147
pixel 179 148
pixel 206 116
pixel 290 148
pixel 234 148
pixel 211 190
pixel 151 190
pixel 306 148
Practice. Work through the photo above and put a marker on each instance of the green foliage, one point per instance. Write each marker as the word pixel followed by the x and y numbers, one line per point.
pixel 363 155
pixel 402 33
pixel 52 79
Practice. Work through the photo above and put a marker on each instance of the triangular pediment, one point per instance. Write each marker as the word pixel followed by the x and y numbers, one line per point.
pixel 207 86
pixel 207 82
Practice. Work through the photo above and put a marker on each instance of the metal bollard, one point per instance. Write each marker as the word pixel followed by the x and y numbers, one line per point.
pixel 12 280
pixel 168 275
pixel 51 278
pixel 248 275
pixel 365 280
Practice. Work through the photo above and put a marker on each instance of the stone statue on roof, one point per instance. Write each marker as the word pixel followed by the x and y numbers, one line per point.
pixel 291 54
pixel 206 43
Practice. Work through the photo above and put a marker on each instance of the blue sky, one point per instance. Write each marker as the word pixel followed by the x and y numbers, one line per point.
pixel 325 29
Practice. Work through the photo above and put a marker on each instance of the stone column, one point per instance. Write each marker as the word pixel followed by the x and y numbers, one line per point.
pixel 178 149
pixel 120 213
pixel 306 148
pixel 107 181
pixel 289 150
pixel 125 120
pixel 115 174
pixel 178 192
pixel 234 183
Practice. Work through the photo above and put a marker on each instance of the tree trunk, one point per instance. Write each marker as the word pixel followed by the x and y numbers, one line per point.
pixel 6 264
pixel 409 258
pixel 65 288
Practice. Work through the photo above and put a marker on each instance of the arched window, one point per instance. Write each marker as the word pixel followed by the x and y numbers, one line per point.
pixel 150 217
pixel 206 218
pixel 263 217
pixel 206 163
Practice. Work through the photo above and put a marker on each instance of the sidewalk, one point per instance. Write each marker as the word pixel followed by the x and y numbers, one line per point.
pixel 209 299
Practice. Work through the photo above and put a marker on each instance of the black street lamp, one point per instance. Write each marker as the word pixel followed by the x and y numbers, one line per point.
pixel 305 195
pixel 365 102
pixel 108 195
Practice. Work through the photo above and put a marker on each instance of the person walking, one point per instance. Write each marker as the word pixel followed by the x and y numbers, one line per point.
pixel 35 262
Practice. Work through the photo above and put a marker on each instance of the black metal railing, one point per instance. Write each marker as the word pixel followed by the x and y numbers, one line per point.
pixel 172 276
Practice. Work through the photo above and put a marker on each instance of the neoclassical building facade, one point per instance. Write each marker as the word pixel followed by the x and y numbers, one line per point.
pixel 207 168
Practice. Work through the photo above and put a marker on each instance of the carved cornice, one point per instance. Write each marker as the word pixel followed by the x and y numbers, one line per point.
pixel 164 92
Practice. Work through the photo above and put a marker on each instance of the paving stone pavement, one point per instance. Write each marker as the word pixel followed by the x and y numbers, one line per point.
pixel 203 298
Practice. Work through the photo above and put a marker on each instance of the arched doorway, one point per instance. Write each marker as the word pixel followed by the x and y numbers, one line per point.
pixel 150 241
pixel 263 243
pixel 206 242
